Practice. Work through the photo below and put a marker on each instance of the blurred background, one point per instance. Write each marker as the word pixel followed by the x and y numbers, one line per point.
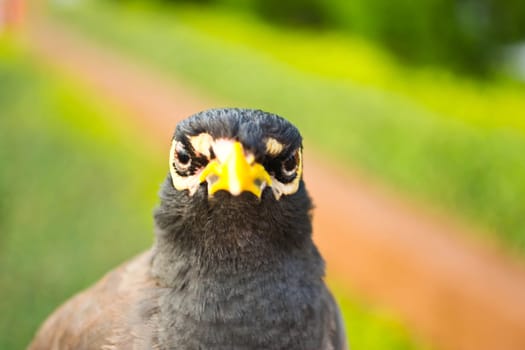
pixel 422 101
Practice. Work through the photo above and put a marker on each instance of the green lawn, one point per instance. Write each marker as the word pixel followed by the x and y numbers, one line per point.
pixel 456 142
pixel 76 195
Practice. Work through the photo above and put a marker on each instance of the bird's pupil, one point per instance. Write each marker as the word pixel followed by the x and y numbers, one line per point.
pixel 183 157
pixel 290 163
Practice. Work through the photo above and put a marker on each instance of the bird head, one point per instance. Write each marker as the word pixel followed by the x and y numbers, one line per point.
pixel 234 189
pixel 236 151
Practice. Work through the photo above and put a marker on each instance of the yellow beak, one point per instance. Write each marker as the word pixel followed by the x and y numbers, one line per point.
pixel 236 173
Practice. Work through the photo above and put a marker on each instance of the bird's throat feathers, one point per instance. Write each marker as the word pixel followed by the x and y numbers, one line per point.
pixel 222 266
pixel 230 232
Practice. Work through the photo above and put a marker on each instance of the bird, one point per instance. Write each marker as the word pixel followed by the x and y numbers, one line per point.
pixel 233 264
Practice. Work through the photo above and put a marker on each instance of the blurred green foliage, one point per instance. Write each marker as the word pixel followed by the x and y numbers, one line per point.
pixel 463 34
pixel 77 187
pixel 292 12
pixel 453 141
pixel 76 196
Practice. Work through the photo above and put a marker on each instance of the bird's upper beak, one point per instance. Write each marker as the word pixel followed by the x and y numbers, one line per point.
pixel 234 171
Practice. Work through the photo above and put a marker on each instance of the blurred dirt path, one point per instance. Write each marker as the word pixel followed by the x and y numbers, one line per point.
pixel 455 292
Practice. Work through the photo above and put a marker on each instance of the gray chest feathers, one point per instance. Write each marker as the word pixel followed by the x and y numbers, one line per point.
pixel 283 309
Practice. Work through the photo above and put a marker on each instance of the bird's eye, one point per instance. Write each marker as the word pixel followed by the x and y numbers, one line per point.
pixel 289 165
pixel 182 159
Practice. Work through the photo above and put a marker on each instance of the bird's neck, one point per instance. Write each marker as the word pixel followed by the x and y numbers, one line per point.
pixel 227 259
pixel 230 268
pixel 221 300
pixel 230 236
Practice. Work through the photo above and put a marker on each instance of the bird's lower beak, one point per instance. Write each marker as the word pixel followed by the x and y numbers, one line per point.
pixel 236 173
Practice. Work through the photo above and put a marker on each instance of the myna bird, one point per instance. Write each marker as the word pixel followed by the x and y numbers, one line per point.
pixel 233 266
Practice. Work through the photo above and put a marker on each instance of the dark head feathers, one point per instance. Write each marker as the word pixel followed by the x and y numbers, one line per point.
pixel 249 126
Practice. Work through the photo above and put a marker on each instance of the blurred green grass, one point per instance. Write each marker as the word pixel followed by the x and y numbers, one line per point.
pixel 76 194
pixel 449 140
pixel 77 188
